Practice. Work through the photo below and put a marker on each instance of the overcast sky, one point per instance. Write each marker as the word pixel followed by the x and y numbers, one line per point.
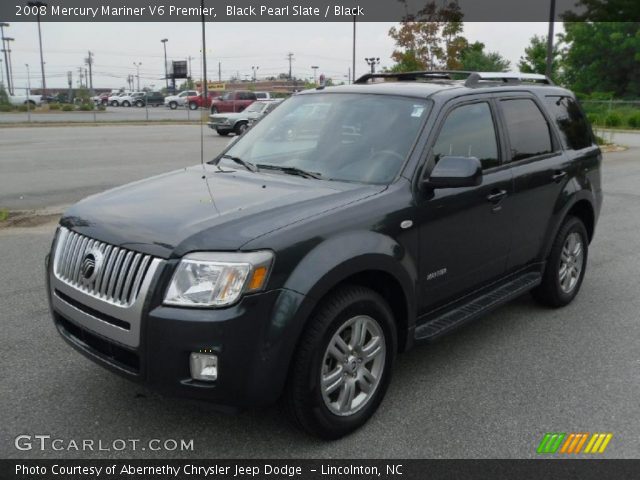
pixel 238 46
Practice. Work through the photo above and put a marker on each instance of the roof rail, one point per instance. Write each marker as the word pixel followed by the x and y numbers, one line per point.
pixel 506 77
pixel 473 78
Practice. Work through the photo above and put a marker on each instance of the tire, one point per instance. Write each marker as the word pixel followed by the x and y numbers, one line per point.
pixel 173 105
pixel 193 106
pixel 240 128
pixel 223 133
pixel 214 110
pixel 126 103
pixel 105 102
pixel 318 410
pixel 114 103
pixel 139 104
pixel 556 289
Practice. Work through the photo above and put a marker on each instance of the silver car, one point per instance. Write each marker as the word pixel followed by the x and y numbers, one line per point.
pixel 225 123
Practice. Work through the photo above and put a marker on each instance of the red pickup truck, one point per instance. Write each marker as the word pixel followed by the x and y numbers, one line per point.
pixel 197 101
pixel 235 101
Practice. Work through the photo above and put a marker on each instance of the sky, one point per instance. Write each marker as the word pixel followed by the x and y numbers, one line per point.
pixel 237 46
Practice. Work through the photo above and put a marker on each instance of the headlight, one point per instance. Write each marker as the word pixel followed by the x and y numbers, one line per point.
pixel 212 279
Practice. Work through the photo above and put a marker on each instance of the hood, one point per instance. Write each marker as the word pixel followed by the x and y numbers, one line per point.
pixel 205 209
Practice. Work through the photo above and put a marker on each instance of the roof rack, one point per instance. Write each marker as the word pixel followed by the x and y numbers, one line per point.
pixel 474 79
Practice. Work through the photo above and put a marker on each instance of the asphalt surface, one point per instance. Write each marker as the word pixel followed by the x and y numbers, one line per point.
pixel 44 167
pixel 111 114
pixel 491 389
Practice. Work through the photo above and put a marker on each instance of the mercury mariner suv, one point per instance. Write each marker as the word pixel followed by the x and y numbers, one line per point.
pixel 346 226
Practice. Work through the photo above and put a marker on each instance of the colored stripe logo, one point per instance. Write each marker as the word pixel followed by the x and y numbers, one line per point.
pixel 574 443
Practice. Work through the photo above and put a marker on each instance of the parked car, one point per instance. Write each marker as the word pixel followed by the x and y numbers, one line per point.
pixel 154 99
pixel 234 101
pixel 296 269
pixel 263 96
pixel 121 100
pixel 175 101
pixel 226 123
pixel 197 101
pixel 32 100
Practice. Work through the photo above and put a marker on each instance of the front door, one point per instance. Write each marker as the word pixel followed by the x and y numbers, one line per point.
pixel 465 233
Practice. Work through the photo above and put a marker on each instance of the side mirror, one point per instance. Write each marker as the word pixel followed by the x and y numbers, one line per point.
pixel 455 172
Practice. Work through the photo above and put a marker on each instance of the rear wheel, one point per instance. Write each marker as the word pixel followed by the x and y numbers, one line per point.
pixel 114 103
pixel 139 103
pixel 566 265
pixel 214 110
pixel 173 105
pixel 342 367
pixel 126 103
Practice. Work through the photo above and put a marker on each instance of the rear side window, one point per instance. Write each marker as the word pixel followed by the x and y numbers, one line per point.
pixel 573 126
pixel 468 131
pixel 528 130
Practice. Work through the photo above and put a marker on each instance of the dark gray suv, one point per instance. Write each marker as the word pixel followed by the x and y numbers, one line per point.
pixel 346 226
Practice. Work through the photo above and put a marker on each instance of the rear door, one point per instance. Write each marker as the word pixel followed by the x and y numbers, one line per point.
pixel 539 172
pixel 465 233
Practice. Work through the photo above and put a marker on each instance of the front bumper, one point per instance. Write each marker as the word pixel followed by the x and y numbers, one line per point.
pixel 254 341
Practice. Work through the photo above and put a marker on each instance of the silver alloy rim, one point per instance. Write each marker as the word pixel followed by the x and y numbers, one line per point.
pixel 352 366
pixel 571 260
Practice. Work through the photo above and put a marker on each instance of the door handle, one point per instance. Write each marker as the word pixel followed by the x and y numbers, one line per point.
pixel 496 195
pixel 558 176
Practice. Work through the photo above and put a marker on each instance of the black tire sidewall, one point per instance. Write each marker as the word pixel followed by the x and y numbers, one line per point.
pixel 571 225
pixel 323 422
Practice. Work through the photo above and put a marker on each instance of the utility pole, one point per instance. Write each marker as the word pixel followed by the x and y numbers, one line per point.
pixel 80 76
pixel 10 70
pixel 138 64
pixel 552 14
pixel 166 77
pixel 219 71
pixel 70 83
pixel 90 63
pixel 37 5
pixel 255 69
pixel 28 92
pixel 189 58
pixel 205 94
pixel 6 61
pixel 353 54
pixel 1 75
pixel 372 62
pixel 290 57
pixel 315 71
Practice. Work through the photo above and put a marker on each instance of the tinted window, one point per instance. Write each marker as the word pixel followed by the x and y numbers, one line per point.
pixel 261 95
pixel 469 132
pixel 528 130
pixel 573 126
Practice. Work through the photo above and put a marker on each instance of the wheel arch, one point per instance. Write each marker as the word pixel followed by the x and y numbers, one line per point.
pixel 580 206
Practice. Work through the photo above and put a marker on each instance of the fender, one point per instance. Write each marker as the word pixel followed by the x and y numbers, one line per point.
pixel 566 201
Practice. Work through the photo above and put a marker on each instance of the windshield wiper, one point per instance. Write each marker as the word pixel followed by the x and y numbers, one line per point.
pixel 248 165
pixel 291 170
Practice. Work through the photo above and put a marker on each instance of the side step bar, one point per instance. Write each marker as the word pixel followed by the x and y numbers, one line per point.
pixel 477 306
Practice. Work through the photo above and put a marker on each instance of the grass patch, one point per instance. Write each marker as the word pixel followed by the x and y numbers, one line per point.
pixel 4 214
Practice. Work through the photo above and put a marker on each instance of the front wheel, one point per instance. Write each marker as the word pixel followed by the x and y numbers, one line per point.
pixel 114 104
pixel 214 110
pixel 240 128
pixel 566 265
pixel 193 106
pixel 139 104
pixel 342 367
pixel 173 105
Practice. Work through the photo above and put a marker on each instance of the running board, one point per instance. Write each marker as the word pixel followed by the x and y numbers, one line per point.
pixel 477 306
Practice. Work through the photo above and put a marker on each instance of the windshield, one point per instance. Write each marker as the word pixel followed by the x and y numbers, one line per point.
pixel 350 137
pixel 255 107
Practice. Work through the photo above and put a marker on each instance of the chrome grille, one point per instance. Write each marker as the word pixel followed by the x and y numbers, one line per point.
pixel 118 278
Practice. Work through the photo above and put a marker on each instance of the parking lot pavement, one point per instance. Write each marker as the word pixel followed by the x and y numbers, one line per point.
pixel 489 390
pixel 111 114
pixel 44 167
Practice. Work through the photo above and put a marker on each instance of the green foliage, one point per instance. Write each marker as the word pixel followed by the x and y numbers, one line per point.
pixel 534 59
pixel 474 58
pixel 613 120
pixel 4 214
pixel 68 108
pixel 4 99
pixel 603 57
pixel 24 108
pixel 83 96
pixel 5 107
pixel 86 107
pixel 634 120
pixel 407 62
pixel 54 106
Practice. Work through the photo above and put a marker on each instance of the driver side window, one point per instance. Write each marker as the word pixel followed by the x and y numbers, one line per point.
pixel 469 131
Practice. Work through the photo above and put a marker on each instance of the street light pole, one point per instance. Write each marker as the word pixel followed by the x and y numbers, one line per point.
pixel 315 71
pixel 138 72
pixel 166 77
pixel 353 56
pixel 372 62
pixel 255 70
pixel 552 14
pixel 6 61
pixel 9 40
pixel 37 5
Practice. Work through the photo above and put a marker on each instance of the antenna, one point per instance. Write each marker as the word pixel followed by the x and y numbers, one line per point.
pixel 205 95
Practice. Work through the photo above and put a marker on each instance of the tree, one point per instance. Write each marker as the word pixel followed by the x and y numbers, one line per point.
pixel 534 59
pixel 474 58
pixel 431 39
pixel 602 57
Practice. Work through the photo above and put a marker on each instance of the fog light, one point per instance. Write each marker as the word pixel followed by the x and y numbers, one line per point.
pixel 204 366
